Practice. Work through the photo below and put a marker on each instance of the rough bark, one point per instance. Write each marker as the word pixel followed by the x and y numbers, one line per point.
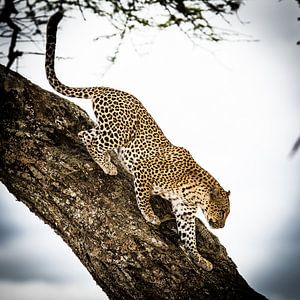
pixel 44 165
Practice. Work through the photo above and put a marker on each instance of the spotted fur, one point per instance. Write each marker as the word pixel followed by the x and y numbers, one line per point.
pixel 157 166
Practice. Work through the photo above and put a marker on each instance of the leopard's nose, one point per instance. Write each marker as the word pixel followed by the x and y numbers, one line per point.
pixel 221 225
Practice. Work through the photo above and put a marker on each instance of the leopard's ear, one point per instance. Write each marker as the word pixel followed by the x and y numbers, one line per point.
pixel 228 193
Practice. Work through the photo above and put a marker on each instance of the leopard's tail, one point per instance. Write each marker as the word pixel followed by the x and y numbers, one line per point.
pixel 50 59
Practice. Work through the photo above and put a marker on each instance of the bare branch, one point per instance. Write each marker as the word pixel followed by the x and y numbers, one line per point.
pixel 295 147
pixel 5 17
pixel 26 19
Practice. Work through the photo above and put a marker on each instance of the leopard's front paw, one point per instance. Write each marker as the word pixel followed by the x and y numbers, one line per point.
pixel 203 263
pixel 109 169
pixel 153 219
pixel 206 265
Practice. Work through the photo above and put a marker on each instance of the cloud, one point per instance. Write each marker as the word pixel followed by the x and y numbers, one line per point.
pixel 7 232
pixel 8 229
pixel 22 269
pixel 45 291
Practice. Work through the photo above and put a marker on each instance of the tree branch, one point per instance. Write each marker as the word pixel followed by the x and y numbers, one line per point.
pixel 44 166
pixel 192 17
pixel 296 147
pixel 5 17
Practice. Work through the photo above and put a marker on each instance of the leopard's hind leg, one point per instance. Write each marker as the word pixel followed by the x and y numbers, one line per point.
pixel 142 187
pixel 98 143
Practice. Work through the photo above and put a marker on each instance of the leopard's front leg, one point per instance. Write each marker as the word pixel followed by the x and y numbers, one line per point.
pixel 185 219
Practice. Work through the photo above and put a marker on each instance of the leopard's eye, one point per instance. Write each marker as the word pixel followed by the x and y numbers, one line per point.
pixel 222 214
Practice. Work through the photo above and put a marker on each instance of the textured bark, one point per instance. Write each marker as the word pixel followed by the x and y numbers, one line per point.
pixel 44 165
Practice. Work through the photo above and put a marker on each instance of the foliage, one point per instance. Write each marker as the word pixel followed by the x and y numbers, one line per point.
pixel 24 20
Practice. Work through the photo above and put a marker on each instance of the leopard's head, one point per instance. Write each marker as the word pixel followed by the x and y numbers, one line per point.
pixel 217 207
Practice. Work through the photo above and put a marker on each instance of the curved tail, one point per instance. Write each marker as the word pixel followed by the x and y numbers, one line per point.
pixel 50 58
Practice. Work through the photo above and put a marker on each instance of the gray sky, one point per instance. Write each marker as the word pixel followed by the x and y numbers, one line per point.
pixel 235 106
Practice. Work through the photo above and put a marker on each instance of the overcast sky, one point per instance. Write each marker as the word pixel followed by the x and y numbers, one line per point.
pixel 234 106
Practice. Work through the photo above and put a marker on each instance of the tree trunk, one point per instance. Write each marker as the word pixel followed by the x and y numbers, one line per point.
pixel 44 165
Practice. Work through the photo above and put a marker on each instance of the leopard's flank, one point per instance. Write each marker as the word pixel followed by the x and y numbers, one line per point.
pixel 157 166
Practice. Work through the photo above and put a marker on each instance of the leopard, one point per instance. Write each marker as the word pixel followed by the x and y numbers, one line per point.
pixel 158 167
